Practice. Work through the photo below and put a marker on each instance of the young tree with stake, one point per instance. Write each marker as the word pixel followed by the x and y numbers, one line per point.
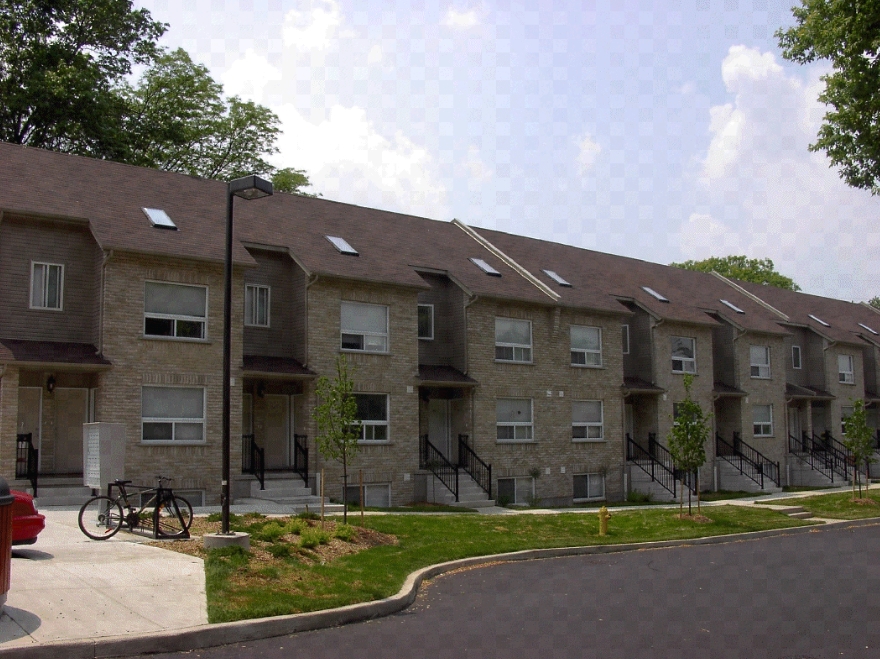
pixel 687 438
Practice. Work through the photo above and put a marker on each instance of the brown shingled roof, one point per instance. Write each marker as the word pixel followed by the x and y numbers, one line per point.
pixel 50 352
pixel 275 366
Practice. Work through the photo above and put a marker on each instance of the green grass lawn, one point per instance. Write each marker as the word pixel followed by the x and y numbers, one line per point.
pixel 839 505
pixel 240 587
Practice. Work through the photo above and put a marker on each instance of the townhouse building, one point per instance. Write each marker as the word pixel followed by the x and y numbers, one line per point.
pixel 486 365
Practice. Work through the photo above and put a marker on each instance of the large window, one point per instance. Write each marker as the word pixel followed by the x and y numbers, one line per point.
pixel 364 327
pixel 588 486
pixel 256 305
pixel 375 495
pixel 173 414
pixel 586 420
pixel 47 285
pixel 762 416
pixel 586 346
pixel 514 419
pixel 513 340
pixel 426 322
pixel 684 354
pixel 759 358
pixel 372 411
pixel 845 369
pixel 519 491
pixel 175 310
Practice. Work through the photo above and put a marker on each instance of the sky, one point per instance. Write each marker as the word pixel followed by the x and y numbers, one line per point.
pixel 662 131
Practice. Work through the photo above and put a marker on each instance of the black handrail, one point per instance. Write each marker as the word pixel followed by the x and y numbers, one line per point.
pixel 841 456
pixel 27 459
pixel 811 453
pixel 301 456
pixel 659 473
pixel 433 460
pixel 664 457
pixel 253 459
pixel 748 460
pixel 473 465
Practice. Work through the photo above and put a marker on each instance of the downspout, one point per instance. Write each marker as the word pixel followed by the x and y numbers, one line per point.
pixel 473 430
pixel 103 293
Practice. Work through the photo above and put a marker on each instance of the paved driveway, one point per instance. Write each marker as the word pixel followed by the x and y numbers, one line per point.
pixel 810 596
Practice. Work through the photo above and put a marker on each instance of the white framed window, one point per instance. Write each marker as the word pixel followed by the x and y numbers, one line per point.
pixel 364 327
pixel 624 335
pixel 845 369
pixel 513 340
pixel 588 487
pixel 426 322
pixel 586 420
pixel 586 346
pixel 175 310
pixel 514 420
pixel 519 491
pixel 845 413
pixel 759 359
pixel 173 414
pixel 684 354
pixel 47 285
pixel 256 305
pixel 372 412
pixel 796 357
pixel 762 418
pixel 376 495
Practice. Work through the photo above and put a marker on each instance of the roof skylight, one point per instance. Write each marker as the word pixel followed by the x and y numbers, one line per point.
pixel 555 277
pixel 485 267
pixel 159 218
pixel 818 320
pixel 342 246
pixel 867 328
pixel 732 306
pixel 650 291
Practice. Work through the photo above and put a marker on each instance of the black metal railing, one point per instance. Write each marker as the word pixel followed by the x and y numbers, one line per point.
pixel 664 457
pixel 816 457
pixel 841 456
pixel 253 459
pixel 301 456
pixel 473 465
pixel 659 473
pixel 27 459
pixel 748 460
pixel 433 460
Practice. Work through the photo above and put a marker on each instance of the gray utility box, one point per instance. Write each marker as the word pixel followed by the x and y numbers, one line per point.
pixel 103 454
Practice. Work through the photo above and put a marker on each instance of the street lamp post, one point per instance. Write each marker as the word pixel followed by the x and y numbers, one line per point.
pixel 249 187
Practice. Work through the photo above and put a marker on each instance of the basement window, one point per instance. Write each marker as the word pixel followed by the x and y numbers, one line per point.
pixel 342 246
pixel 159 218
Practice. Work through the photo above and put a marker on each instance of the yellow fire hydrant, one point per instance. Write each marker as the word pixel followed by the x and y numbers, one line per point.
pixel 604 516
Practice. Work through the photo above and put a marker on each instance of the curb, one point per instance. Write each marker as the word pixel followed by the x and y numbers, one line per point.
pixel 242 631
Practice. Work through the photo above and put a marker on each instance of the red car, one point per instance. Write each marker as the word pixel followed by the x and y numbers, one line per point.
pixel 26 521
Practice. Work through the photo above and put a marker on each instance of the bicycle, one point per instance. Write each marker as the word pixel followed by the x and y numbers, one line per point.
pixel 169 515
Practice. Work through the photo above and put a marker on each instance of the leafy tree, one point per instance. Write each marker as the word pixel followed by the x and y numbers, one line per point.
pixel 758 271
pixel 60 61
pixel 687 438
pixel 338 426
pixel 846 33
pixel 858 437
pixel 292 181
pixel 875 302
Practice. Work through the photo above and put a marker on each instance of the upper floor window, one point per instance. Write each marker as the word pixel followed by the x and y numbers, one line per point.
pixel 513 340
pixel 47 284
pixel 372 411
pixel 586 346
pixel 845 370
pixel 624 335
pixel 364 327
pixel 586 420
pixel 426 322
pixel 172 414
pixel 796 357
pixel 514 419
pixel 684 354
pixel 759 358
pixel 762 417
pixel 175 310
pixel 256 305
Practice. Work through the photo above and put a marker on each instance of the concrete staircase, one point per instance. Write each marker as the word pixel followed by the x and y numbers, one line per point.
pixel 639 481
pixel 801 473
pixel 56 491
pixel 470 495
pixel 288 490
pixel 730 478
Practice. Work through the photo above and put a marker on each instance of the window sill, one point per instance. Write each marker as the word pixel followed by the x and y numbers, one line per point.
pixel 166 442
pixel 761 377
pixel 684 373
pixel 588 500
pixel 849 384
pixel 181 339
pixel 597 367
pixel 53 309
pixel 258 326
pixel 511 361
pixel 516 441
pixel 374 442
pixel 363 352
pixel 588 441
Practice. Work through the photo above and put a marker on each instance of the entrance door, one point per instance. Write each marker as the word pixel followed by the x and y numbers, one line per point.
pixel 438 426
pixel 794 422
pixel 278 427
pixel 30 414
pixel 71 412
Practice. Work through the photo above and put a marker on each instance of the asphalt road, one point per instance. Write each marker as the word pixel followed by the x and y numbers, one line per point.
pixel 809 596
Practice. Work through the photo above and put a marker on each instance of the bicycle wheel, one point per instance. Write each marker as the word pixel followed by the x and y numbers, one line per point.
pixel 170 524
pixel 100 518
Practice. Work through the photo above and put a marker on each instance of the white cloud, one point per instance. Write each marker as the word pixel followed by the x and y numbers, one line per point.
pixel 588 152
pixel 375 55
pixel 478 170
pixel 249 76
pixel 312 26
pixel 765 194
pixel 687 89
pixel 461 19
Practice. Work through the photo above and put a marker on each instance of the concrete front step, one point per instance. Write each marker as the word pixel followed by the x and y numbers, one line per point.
pixel 64 495
pixel 729 478
pixel 473 503
pixel 313 505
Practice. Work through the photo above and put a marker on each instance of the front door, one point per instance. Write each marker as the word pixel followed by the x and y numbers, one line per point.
pixel 71 412
pixel 438 426
pixel 30 414
pixel 794 422
pixel 278 427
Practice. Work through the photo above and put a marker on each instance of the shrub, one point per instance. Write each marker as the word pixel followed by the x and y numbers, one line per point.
pixel 295 526
pixel 635 496
pixel 307 514
pixel 281 550
pixel 345 532
pixel 270 532
pixel 312 537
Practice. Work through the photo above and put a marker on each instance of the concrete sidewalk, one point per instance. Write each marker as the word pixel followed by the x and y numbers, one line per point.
pixel 68 588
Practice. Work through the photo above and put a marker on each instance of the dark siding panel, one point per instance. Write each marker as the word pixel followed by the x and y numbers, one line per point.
pixel 723 360
pixel 637 364
pixel 281 338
